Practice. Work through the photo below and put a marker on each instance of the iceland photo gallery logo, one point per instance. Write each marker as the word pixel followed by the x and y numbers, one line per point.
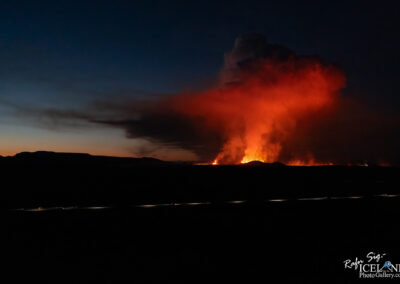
pixel 374 265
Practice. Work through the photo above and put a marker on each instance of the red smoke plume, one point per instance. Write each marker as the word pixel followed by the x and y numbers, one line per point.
pixel 259 114
pixel 271 105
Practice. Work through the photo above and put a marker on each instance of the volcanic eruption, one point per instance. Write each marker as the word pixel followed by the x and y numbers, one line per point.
pixel 265 97
pixel 265 91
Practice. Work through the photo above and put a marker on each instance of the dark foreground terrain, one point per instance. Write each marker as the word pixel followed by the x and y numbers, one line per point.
pixel 82 219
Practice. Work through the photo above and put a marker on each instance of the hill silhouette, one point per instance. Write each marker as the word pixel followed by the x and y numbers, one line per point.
pixel 57 158
pixel 49 178
pixel 262 164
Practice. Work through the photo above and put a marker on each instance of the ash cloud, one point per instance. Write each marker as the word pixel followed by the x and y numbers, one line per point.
pixel 351 132
pixel 247 50
pixel 163 126
pixel 161 122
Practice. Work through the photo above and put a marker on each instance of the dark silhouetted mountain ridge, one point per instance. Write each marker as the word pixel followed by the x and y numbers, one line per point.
pixel 64 159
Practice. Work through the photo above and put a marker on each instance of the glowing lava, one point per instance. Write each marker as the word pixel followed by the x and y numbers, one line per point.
pixel 256 116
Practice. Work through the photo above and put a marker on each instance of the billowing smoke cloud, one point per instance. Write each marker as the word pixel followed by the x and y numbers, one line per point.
pixel 265 90
pixel 247 50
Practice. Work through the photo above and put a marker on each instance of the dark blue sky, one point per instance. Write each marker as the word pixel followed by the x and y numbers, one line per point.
pixel 69 53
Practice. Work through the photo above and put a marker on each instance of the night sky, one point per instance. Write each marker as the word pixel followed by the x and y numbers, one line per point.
pixel 76 57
